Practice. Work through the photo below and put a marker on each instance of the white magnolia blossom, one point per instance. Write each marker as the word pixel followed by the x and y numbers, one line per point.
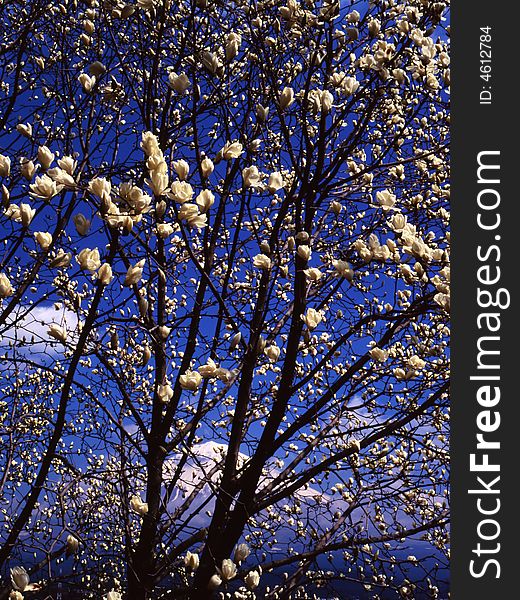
pixel 134 273
pixel 45 157
pixel 81 223
pixel 27 168
pixel 205 200
pixel 261 261
pixel 214 582
pixel 25 129
pixel 252 580
pixel 181 191
pixel 312 318
pixel 57 332
pixel 5 166
pixel 182 168
pixel 138 506
pixel 207 167
pixel 87 82
pixel 190 380
pixel 343 269
pixel 72 544
pixel 191 560
pixel 19 578
pixel 44 187
pixel 275 182
pixel 209 369
pixel 6 289
pixel 232 150
pixel 89 260
pixel 104 274
pixel 386 199
pixel 286 97
pixel 26 214
pixel 179 83
pixel 228 569
pixel 251 176
pixel 43 239
pixel 272 352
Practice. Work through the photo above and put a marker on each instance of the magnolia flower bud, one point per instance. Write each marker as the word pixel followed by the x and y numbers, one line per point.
pixel 251 176
pixel 235 341
pixel 25 130
pixel 262 113
pixel 57 332
pixel 205 200
pixel 241 553
pixel 164 332
pixel 273 353
pixel 5 166
pixel 82 224
pixel 165 393
pixel 147 353
pixel 261 261
pixel 67 164
pixel 304 252
pixel 113 595
pixel 191 561
pixel 138 506
pixel 214 582
pixel 252 579
pixel 16 595
pixel 45 156
pixel 27 168
pixel 232 150
pixel 260 345
pixel 336 207
pixel 104 274
pixel 26 214
pixel 179 83
pixel 158 182
pixel 19 578
pixel 355 445
pixel 150 144
pixel 312 318
pixel 228 569
pixel 6 289
pixel 89 259
pixel 182 169
pixel 207 167
pixel 275 182
pixel 190 380
pixel 72 545
pixel 134 273
pixel 43 239
pixel 374 27
pixel 286 98
pixel 97 69
pixel 302 237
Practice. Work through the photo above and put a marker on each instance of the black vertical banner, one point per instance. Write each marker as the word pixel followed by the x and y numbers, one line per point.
pixel 485 246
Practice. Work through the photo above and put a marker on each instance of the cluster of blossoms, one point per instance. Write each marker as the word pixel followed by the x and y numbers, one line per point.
pixel 224 298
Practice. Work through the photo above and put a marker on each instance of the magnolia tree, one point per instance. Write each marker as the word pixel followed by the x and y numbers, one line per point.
pixel 224 299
